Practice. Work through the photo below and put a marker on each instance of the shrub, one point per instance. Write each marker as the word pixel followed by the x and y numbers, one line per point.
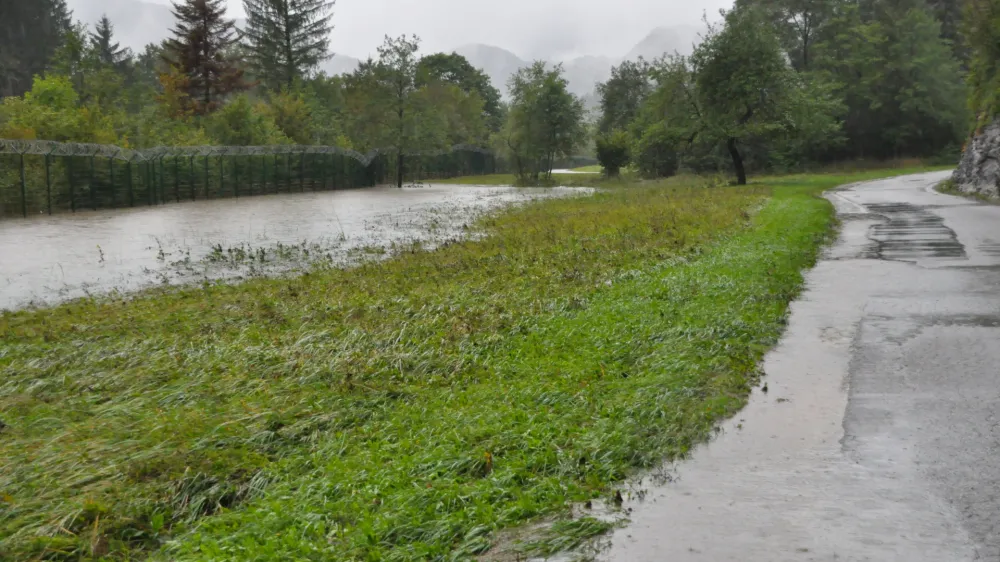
pixel 656 151
pixel 613 152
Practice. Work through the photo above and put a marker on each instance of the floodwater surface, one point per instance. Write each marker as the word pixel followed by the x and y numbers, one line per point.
pixel 45 260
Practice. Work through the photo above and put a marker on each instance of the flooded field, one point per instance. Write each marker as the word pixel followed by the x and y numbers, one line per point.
pixel 45 260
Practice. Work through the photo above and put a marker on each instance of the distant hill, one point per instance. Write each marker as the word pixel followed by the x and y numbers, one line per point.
pixel 499 64
pixel 665 40
pixel 583 73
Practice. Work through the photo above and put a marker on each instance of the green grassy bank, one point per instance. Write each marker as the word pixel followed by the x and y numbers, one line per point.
pixel 406 409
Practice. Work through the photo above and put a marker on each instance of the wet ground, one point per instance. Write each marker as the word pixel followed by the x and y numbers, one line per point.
pixel 879 436
pixel 45 260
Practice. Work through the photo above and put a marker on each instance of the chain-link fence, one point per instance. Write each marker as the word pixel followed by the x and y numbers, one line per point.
pixel 50 177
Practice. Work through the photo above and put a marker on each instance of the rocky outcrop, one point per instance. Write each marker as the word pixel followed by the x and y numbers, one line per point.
pixel 979 170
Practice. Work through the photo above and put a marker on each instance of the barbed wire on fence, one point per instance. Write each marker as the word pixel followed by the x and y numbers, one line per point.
pixel 53 148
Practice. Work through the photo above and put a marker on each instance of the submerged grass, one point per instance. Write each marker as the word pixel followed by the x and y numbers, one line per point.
pixel 405 409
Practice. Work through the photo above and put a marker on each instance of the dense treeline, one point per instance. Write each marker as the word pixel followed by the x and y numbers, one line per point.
pixel 981 33
pixel 775 85
pixel 783 83
pixel 214 84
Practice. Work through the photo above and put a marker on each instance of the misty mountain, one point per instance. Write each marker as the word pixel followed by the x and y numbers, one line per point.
pixel 663 40
pixel 138 23
pixel 499 64
pixel 583 73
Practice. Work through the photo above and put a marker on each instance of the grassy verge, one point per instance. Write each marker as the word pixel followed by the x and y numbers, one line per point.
pixel 407 409
pixel 948 187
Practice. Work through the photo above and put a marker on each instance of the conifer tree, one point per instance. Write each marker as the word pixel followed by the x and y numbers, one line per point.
pixel 30 32
pixel 198 50
pixel 108 51
pixel 287 39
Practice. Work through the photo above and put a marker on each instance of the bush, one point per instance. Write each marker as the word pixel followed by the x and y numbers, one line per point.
pixel 656 151
pixel 239 123
pixel 613 152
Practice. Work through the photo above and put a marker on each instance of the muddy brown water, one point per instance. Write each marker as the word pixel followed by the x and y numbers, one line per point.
pixel 45 260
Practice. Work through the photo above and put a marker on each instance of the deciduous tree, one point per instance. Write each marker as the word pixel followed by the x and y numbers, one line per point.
pixel 456 69
pixel 545 121
pixel 623 94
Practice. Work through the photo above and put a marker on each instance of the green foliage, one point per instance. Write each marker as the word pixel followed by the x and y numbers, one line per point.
pixel 30 33
pixel 656 151
pixel 744 84
pixel 198 50
pixel 623 94
pixel 782 84
pixel 106 52
pixel 286 40
pixel 798 24
pixel 292 116
pixel 901 84
pixel 981 30
pixel 50 111
pixel 545 121
pixel 456 70
pixel 613 152
pixel 240 123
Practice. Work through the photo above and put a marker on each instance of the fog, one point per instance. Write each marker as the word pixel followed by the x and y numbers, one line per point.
pixel 545 29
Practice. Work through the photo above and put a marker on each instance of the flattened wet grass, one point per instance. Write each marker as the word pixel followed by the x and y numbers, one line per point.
pixel 405 409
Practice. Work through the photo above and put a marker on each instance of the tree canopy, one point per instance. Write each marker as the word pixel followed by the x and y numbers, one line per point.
pixel 286 39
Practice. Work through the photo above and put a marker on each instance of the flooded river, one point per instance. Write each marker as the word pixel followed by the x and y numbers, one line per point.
pixel 45 260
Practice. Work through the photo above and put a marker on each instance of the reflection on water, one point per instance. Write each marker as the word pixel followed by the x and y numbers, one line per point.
pixel 49 259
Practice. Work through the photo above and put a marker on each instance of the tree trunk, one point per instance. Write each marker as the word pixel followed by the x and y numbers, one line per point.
pixel 741 173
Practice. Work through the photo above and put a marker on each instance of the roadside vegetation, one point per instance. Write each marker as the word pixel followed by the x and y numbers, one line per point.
pixel 406 409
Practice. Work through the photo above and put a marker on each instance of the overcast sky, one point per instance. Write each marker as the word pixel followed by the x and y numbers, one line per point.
pixel 530 28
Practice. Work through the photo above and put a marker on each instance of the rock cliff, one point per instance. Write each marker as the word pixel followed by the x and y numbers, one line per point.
pixel 979 170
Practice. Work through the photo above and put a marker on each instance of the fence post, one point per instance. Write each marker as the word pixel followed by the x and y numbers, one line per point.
pixel 177 180
pixel 288 171
pixel 24 191
pixel 207 180
pixel 150 181
pixel 69 174
pixel 322 170
pixel 163 179
pixel 250 174
pixel 111 179
pixel 277 188
pixel 93 194
pixel 131 190
pixel 222 177
pixel 48 181
pixel 236 176
pixel 191 177
pixel 302 172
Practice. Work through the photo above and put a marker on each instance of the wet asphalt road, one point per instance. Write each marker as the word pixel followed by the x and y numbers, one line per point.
pixel 879 438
